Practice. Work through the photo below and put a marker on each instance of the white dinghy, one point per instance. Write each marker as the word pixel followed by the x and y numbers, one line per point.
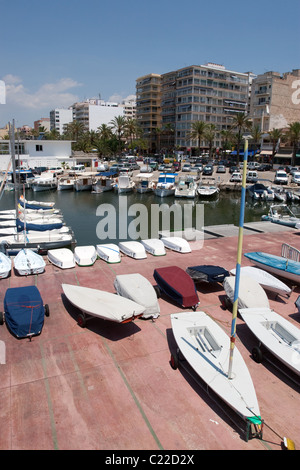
pixel 251 294
pixel 85 255
pixel 101 304
pixel 265 279
pixel 137 288
pixel 154 246
pixel 133 249
pixel 62 258
pixel 109 252
pixel 205 346
pixel 5 265
pixel 276 334
pixel 176 244
pixel 28 262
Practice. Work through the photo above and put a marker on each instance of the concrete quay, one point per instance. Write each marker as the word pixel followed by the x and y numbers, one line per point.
pixel 111 387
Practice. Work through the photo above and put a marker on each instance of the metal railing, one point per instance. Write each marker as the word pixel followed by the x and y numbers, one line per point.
pixel 289 252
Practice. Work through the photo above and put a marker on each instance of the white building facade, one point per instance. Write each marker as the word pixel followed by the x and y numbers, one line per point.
pixel 59 118
pixel 92 113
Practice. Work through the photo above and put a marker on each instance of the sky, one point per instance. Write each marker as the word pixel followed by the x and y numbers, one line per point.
pixel 59 52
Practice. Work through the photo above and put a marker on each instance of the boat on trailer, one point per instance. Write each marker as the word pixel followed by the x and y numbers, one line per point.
pixel 154 246
pixel 205 346
pixel 62 258
pixel 137 288
pixel 133 249
pixel 207 273
pixel 101 304
pixel 28 262
pixel 109 252
pixel 177 285
pixel 85 255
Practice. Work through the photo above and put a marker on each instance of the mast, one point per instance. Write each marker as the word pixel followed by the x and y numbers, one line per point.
pixel 238 264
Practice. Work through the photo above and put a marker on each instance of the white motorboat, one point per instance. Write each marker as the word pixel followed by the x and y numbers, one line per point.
pixel 281 214
pixel 176 244
pixel 165 185
pixel 84 183
pixel 109 252
pixel 28 262
pixel 186 187
pixel 44 182
pixel 145 183
pixel 276 334
pixel 154 246
pixel 101 304
pixel 265 279
pixel 260 191
pixel 205 346
pixel 137 288
pixel 125 184
pixel 85 255
pixel 62 258
pixel 65 183
pixel 133 249
pixel 251 294
pixel 5 265
pixel 106 182
pixel 207 190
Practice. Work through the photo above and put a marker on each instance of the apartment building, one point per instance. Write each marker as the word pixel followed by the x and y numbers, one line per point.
pixel 176 99
pixel 148 107
pixel 129 106
pixel 59 118
pixel 92 113
pixel 274 100
pixel 43 122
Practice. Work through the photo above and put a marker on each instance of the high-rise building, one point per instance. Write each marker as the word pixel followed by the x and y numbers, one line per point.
pixel 92 113
pixel 59 118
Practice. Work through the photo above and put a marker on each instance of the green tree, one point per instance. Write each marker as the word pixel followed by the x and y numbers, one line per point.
pixel 274 135
pixel 197 132
pixel 241 123
pixel 118 124
pixel 293 135
pixel 226 140
pixel 256 136
pixel 209 136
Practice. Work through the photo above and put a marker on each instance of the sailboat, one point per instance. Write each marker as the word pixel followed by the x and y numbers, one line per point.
pixel 209 350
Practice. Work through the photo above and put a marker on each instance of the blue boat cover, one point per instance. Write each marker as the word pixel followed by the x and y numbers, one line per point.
pixel 278 262
pixel 24 311
pixel 37 227
pixel 208 273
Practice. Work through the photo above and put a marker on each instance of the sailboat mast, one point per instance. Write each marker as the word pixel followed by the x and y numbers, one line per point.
pixel 238 264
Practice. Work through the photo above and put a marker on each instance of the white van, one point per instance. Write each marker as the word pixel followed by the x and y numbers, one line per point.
pixel 252 176
pixel 253 165
pixel 281 177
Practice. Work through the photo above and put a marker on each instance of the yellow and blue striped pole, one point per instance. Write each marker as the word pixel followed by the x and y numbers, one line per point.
pixel 238 264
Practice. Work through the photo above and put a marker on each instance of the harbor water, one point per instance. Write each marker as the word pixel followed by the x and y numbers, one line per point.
pixel 102 218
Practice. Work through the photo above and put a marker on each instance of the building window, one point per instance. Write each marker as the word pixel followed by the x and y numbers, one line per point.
pixel 38 148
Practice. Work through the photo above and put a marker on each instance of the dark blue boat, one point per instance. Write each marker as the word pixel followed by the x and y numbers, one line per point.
pixel 207 273
pixel 24 311
pixel 37 227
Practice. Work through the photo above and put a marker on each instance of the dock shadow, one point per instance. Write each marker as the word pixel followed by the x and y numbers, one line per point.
pixel 108 329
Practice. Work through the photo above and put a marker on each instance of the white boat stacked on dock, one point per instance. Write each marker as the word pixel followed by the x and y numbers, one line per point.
pixel 62 258
pixel 101 304
pixel 133 249
pixel 176 244
pixel 28 262
pixel 5 265
pixel 154 246
pixel 109 252
pixel 85 255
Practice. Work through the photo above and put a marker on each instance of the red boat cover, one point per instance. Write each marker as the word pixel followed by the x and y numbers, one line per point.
pixel 177 284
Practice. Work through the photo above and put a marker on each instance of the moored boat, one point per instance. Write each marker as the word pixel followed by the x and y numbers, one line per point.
pixel 281 214
pixel 186 187
pixel 145 183
pixel 165 185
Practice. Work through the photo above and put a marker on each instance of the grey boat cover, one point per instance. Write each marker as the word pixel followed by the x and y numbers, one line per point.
pixel 137 288
pixel 250 295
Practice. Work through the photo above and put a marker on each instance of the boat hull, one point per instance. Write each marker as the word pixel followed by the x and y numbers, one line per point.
pixel 28 262
pixel 277 265
pixel 109 253
pixel 62 258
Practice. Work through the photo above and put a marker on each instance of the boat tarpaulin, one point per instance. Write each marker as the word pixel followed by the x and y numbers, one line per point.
pixel 137 288
pixel 24 311
pixel 177 284
pixel 251 294
pixel 207 273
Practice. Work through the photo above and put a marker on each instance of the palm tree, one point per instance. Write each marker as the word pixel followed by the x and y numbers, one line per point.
pixel 242 123
pixel 227 139
pixel 104 132
pixel 74 130
pixel 131 129
pixel 256 136
pixel 274 136
pixel 197 132
pixel 118 125
pixel 293 135
pixel 209 136
pixel 168 129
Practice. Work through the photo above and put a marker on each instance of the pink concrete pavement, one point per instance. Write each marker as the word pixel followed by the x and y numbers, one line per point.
pixel 111 387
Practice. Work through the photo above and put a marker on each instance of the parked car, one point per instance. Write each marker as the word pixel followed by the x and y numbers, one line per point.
pixel 281 177
pixel 296 177
pixel 233 169
pixel 293 169
pixel 146 169
pixel 236 177
pixel 186 167
pixel 208 170
pixel 264 167
pixel 253 165
pixel 161 167
pixel 252 176
pixel 221 169
pixel 177 166
pixel 198 166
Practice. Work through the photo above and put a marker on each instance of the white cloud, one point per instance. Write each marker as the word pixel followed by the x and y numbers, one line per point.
pixel 49 95
pixel 119 98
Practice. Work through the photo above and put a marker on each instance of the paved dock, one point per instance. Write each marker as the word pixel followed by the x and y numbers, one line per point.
pixel 111 387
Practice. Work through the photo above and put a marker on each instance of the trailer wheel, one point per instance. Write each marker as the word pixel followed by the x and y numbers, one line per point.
pixel 157 291
pixel 257 354
pixel 174 361
pixel 1 318
pixel 47 311
pixel 81 320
